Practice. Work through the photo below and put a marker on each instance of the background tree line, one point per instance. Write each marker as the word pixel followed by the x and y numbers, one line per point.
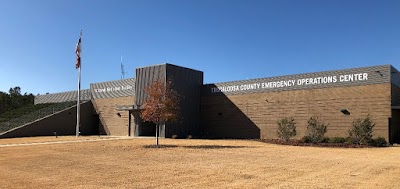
pixel 14 99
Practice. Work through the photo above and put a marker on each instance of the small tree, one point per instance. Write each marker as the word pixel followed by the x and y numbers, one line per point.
pixel 286 128
pixel 161 104
pixel 15 91
pixel 316 129
pixel 361 131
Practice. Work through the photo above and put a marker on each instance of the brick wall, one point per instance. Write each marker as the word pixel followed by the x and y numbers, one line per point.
pixel 255 115
pixel 111 122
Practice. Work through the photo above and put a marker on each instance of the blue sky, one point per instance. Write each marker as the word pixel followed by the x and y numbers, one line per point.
pixel 226 39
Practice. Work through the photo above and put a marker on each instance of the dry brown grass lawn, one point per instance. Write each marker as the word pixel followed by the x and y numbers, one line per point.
pixel 133 163
pixel 33 140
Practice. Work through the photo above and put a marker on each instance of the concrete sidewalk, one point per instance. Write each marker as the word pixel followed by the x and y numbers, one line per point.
pixel 66 141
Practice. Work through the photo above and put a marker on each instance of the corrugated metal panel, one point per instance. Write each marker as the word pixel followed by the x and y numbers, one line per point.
pixel 395 80
pixel 394 76
pixel 187 83
pixel 62 97
pixel 113 89
pixel 145 76
pixel 359 76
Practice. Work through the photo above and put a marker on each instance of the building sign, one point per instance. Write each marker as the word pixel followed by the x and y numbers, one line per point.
pixel 112 89
pixel 292 82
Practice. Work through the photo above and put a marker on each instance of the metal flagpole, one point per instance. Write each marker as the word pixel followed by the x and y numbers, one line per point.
pixel 78 105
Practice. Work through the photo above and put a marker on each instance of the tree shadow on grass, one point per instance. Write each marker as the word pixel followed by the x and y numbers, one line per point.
pixel 160 146
pixel 214 147
pixel 195 147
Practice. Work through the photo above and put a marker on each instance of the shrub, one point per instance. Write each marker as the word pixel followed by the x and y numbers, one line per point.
pixel 379 142
pixel 337 140
pixel 286 128
pixel 325 140
pixel 306 139
pixel 349 140
pixel 316 129
pixel 361 131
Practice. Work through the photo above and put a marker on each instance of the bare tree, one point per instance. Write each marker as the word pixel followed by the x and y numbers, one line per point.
pixel 162 104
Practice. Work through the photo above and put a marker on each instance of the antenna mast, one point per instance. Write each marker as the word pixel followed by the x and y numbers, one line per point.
pixel 122 69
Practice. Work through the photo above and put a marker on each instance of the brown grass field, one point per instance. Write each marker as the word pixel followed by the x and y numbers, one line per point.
pixel 134 163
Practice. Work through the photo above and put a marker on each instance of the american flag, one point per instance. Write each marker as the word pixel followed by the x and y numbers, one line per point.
pixel 78 52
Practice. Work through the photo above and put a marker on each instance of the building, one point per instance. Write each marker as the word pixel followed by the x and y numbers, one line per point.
pixel 237 109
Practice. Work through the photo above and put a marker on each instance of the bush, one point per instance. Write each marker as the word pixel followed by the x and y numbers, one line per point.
pixel 361 131
pixel 349 140
pixel 325 140
pixel 337 140
pixel 305 139
pixel 286 128
pixel 316 129
pixel 379 142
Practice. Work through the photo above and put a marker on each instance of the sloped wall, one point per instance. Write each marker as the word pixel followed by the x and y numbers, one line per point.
pixel 64 123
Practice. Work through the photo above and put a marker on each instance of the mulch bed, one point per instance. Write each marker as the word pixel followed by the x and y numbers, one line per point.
pixel 299 143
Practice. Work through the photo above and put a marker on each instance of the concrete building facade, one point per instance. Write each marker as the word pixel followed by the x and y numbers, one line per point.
pixel 251 108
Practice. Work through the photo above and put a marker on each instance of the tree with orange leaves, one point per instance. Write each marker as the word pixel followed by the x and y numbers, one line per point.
pixel 162 104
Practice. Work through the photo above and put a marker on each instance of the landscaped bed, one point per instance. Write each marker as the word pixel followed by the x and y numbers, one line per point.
pixel 322 144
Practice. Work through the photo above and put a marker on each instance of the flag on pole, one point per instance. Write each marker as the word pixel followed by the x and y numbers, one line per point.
pixel 78 52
